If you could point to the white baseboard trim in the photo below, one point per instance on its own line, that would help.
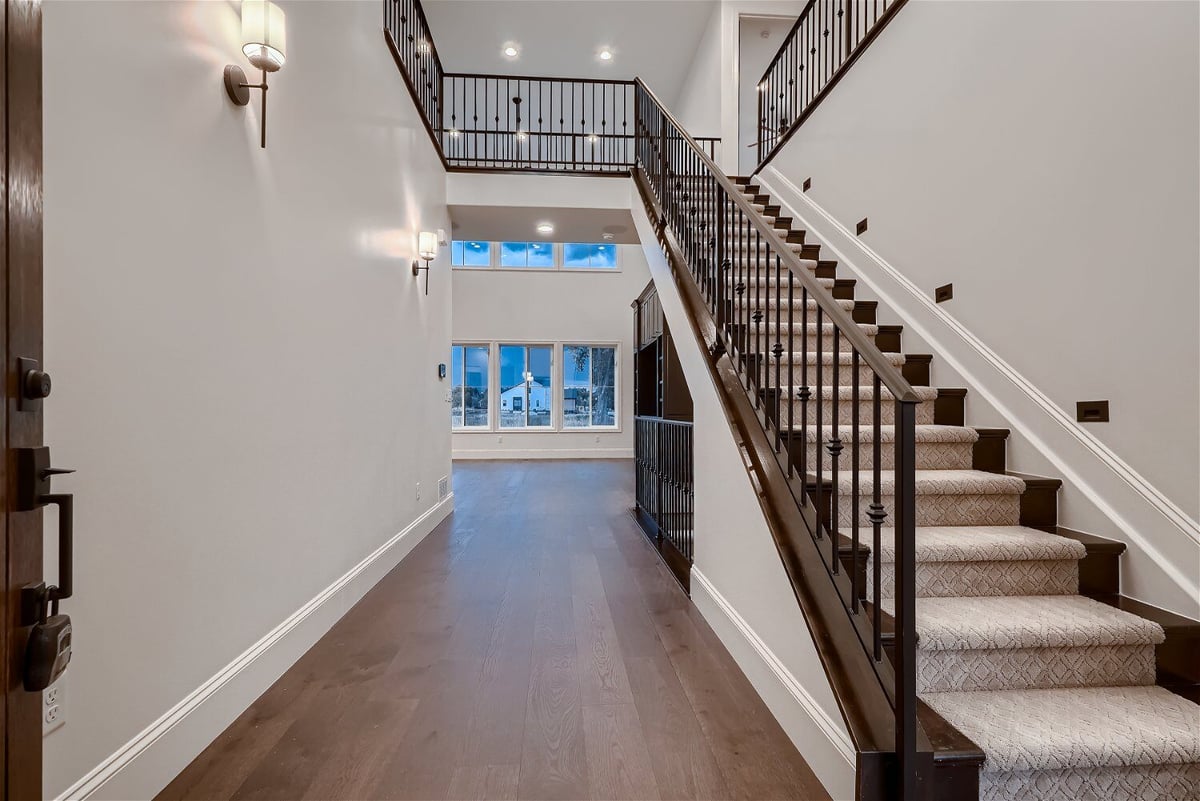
(147, 763)
(1015, 396)
(822, 740)
(545, 453)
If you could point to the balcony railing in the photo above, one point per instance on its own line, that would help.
(829, 35)
(479, 122)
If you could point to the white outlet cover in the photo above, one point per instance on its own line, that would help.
(54, 709)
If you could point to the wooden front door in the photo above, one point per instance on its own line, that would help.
(20, 337)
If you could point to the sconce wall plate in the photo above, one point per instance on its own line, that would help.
(235, 85)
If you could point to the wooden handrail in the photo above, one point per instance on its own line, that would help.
(861, 692)
(891, 377)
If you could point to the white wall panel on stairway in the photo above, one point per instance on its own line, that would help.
(742, 588)
(1056, 188)
(245, 368)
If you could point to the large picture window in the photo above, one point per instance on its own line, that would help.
(469, 386)
(589, 386)
(525, 392)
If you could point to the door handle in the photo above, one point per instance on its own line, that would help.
(33, 492)
(48, 650)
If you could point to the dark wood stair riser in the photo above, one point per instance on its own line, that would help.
(1039, 501)
(916, 368)
(864, 311)
(888, 339)
(990, 451)
(950, 407)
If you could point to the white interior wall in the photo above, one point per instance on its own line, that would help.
(1059, 192)
(555, 306)
(244, 366)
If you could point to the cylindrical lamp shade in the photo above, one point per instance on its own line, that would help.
(264, 34)
(427, 245)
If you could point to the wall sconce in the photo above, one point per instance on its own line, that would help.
(427, 245)
(265, 41)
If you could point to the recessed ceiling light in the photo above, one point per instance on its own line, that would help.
(511, 51)
(605, 54)
(608, 236)
(545, 228)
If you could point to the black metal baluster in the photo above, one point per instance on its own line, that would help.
(804, 391)
(820, 461)
(854, 468)
(778, 348)
(876, 515)
(835, 449)
(791, 385)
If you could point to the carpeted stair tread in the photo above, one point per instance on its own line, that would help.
(984, 544)
(937, 482)
(866, 392)
(887, 433)
(1084, 727)
(798, 303)
(845, 358)
(827, 329)
(765, 287)
(1033, 621)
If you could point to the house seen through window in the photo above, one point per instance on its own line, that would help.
(525, 394)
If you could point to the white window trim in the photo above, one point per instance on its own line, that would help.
(616, 346)
(555, 355)
(559, 259)
(557, 384)
(488, 425)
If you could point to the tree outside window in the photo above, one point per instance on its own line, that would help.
(469, 386)
(589, 386)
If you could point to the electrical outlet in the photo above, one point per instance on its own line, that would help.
(418, 490)
(54, 708)
(500, 439)
(443, 487)
(943, 293)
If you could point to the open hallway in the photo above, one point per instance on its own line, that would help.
(534, 647)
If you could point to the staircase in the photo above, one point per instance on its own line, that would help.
(1057, 689)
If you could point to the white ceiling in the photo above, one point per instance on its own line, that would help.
(651, 39)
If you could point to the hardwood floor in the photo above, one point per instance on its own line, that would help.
(532, 647)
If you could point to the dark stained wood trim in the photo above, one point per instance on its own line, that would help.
(990, 452)
(916, 368)
(1039, 501)
(1100, 569)
(949, 409)
(22, 245)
